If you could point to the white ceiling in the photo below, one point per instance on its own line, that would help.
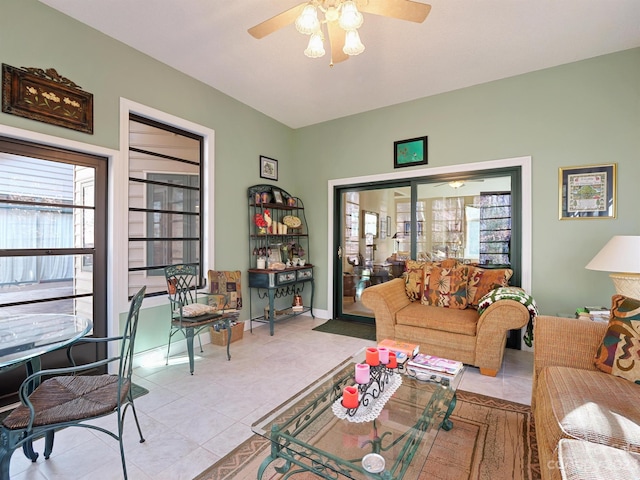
(461, 43)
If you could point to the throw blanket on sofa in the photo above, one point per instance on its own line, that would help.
(512, 293)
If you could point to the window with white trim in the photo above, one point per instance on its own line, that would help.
(165, 195)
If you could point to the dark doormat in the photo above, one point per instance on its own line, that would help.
(349, 329)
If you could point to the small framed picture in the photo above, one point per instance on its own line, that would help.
(277, 196)
(587, 192)
(407, 153)
(268, 168)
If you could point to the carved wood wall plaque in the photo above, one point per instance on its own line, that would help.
(46, 96)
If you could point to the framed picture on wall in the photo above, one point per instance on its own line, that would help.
(411, 152)
(587, 192)
(268, 168)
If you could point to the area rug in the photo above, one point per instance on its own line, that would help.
(349, 329)
(491, 439)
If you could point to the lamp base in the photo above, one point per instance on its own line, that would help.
(627, 284)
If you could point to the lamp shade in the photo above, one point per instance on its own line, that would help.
(620, 254)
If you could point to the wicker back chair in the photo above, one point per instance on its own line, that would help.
(68, 399)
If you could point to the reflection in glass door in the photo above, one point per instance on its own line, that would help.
(368, 246)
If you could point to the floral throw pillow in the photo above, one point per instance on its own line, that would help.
(482, 281)
(619, 352)
(447, 287)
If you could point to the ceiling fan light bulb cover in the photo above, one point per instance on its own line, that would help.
(308, 22)
(315, 48)
(352, 43)
(332, 13)
(350, 17)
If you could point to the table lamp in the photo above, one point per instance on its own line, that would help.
(621, 255)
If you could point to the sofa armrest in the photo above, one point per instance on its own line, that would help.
(493, 325)
(386, 299)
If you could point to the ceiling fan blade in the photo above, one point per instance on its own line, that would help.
(276, 23)
(401, 9)
(336, 42)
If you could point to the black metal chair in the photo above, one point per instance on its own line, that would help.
(68, 399)
(187, 315)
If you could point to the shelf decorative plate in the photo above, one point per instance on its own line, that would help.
(291, 221)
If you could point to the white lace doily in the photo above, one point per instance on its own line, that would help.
(371, 411)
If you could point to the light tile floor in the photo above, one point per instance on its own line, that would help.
(190, 422)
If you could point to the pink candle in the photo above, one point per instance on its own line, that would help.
(383, 352)
(350, 397)
(362, 373)
(393, 361)
(372, 356)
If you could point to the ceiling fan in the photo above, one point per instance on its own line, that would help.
(341, 21)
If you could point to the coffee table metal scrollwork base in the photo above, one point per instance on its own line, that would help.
(306, 435)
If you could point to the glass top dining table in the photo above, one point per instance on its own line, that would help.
(27, 337)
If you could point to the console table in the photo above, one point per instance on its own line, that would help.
(280, 283)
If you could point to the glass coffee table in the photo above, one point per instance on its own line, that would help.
(306, 434)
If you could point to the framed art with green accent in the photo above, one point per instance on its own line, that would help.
(411, 152)
(587, 192)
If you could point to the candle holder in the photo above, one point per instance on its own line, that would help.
(372, 396)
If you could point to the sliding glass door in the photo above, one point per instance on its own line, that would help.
(474, 218)
(366, 244)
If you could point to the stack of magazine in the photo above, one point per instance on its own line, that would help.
(431, 365)
(596, 314)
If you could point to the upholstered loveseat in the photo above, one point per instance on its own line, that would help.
(436, 305)
(586, 396)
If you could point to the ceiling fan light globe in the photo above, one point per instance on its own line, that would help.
(308, 22)
(350, 17)
(315, 48)
(352, 43)
(332, 14)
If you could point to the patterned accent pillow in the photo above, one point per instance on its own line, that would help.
(413, 278)
(619, 352)
(447, 263)
(447, 287)
(226, 283)
(482, 281)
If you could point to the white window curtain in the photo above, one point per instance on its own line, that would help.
(35, 228)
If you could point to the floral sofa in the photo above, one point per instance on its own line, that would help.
(438, 306)
(585, 394)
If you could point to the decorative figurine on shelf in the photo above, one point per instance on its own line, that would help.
(297, 303)
(268, 221)
(293, 249)
(261, 223)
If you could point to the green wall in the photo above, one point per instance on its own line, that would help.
(34, 35)
(582, 113)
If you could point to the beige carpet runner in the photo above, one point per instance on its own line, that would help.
(491, 439)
